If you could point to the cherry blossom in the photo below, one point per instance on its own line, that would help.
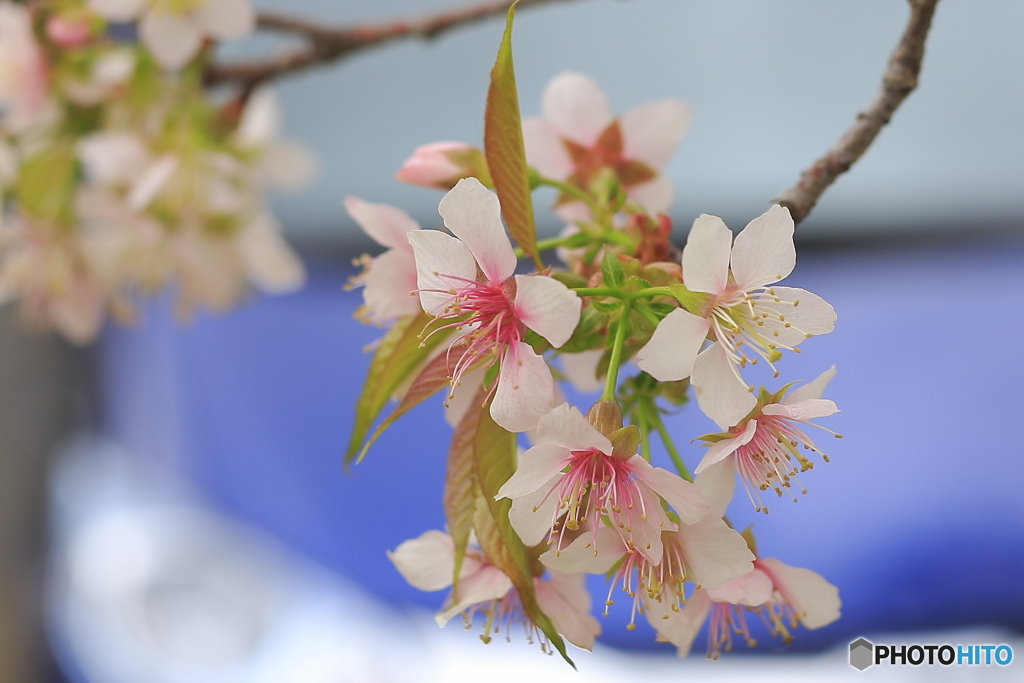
(468, 281)
(735, 306)
(428, 563)
(388, 280)
(174, 31)
(578, 139)
(23, 71)
(443, 164)
(575, 472)
(764, 449)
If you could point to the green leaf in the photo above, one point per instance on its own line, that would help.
(397, 355)
(495, 458)
(460, 484)
(46, 184)
(503, 147)
(611, 270)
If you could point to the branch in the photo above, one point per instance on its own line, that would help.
(899, 79)
(326, 44)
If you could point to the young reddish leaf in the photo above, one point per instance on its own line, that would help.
(397, 355)
(461, 490)
(494, 452)
(503, 146)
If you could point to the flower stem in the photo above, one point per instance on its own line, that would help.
(571, 190)
(597, 291)
(671, 448)
(616, 358)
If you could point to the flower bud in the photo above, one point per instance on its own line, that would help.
(68, 32)
(605, 416)
(443, 164)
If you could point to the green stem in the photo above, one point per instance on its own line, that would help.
(543, 245)
(597, 291)
(616, 359)
(672, 452)
(572, 190)
(645, 435)
(649, 292)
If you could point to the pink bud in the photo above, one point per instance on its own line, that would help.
(67, 32)
(442, 164)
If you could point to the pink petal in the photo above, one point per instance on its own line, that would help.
(270, 263)
(536, 469)
(580, 369)
(443, 267)
(752, 589)
(426, 562)
(389, 287)
(473, 214)
(713, 552)
(685, 498)
(814, 600)
(261, 119)
(681, 628)
(654, 195)
(576, 107)
(172, 38)
(717, 483)
(813, 389)
(652, 132)
(706, 255)
(544, 150)
(430, 164)
(720, 395)
(387, 225)
(587, 555)
(671, 351)
(764, 251)
(723, 449)
(226, 18)
(566, 601)
(547, 307)
(462, 394)
(531, 514)
(565, 426)
(802, 410)
(490, 583)
(525, 389)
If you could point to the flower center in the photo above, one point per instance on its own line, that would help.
(640, 579)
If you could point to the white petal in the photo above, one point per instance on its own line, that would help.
(525, 389)
(389, 287)
(532, 515)
(117, 10)
(752, 589)
(287, 166)
(813, 389)
(565, 426)
(226, 18)
(443, 264)
(685, 498)
(587, 555)
(490, 583)
(473, 214)
(706, 255)
(566, 601)
(814, 600)
(547, 307)
(764, 251)
(576, 107)
(654, 195)
(172, 38)
(681, 629)
(112, 157)
(580, 369)
(671, 351)
(426, 562)
(720, 395)
(152, 181)
(387, 225)
(652, 132)
(544, 150)
(536, 469)
(813, 315)
(717, 483)
(723, 449)
(270, 263)
(713, 552)
(462, 394)
(810, 409)
(261, 119)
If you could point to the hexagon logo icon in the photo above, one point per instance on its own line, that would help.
(861, 654)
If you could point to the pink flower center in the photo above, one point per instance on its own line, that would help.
(645, 582)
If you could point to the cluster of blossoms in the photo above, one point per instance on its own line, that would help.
(121, 176)
(584, 497)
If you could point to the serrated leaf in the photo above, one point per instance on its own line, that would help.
(432, 378)
(495, 458)
(504, 149)
(397, 355)
(611, 270)
(461, 490)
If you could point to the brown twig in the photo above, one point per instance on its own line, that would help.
(899, 79)
(326, 44)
